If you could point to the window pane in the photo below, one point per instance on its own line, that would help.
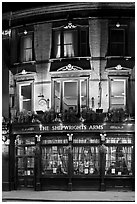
(84, 94)
(26, 48)
(70, 43)
(117, 42)
(117, 49)
(25, 98)
(70, 89)
(54, 160)
(83, 36)
(117, 88)
(119, 159)
(70, 99)
(57, 101)
(26, 92)
(27, 42)
(118, 93)
(57, 44)
(27, 105)
(83, 50)
(86, 160)
(117, 35)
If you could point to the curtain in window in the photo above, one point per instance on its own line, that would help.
(26, 48)
(85, 160)
(57, 44)
(68, 44)
(118, 160)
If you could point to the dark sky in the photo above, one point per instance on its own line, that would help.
(15, 6)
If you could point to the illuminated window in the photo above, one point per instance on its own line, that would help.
(70, 43)
(70, 94)
(26, 53)
(119, 155)
(117, 92)
(25, 97)
(54, 160)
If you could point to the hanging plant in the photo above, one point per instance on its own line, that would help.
(70, 116)
(117, 115)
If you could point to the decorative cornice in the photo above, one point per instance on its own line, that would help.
(25, 76)
(69, 67)
(66, 6)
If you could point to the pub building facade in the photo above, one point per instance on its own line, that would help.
(71, 93)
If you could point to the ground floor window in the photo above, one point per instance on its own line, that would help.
(54, 160)
(86, 160)
(119, 156)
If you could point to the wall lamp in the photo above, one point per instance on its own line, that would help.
(117, 24)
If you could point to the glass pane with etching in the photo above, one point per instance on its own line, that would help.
(54, 160)
(86, 160)
(119, 159)
(54, 140)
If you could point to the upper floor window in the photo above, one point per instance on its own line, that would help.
(117, 41)
(71, 42)
(118, 92)
(26, 48)
(70, 94)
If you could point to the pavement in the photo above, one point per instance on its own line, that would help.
(68, 196)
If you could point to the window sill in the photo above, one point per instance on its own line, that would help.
(23, 63)
(118, 57)
(68, 58)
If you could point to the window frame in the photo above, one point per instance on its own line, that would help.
(125, 79)
(74, 79)
(121, 28)
(78, 45)
(19, 85)
(22, 56)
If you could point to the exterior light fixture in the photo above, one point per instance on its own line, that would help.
(117, 24)
(25, 32)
